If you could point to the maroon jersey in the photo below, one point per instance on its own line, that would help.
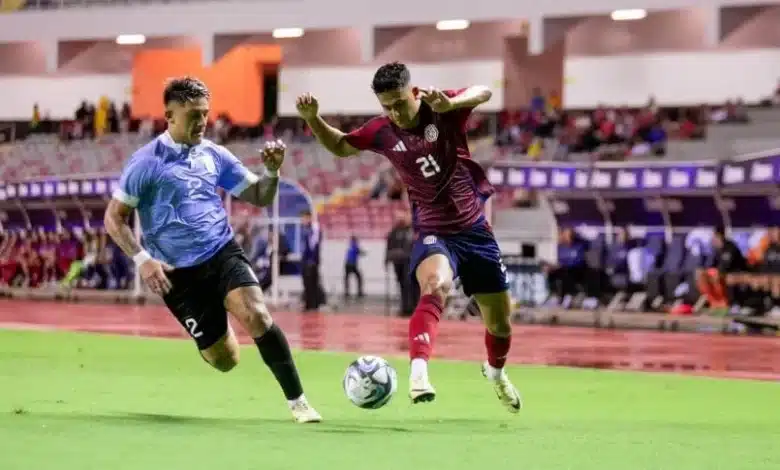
(446, 187)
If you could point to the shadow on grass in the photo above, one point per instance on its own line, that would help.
(337, 426)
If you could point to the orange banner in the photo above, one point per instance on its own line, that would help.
(235, 79)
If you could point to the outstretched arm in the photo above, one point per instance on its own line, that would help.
(471, 97)
(331, 138)
(444, 101)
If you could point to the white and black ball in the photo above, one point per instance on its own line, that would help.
(370, 382)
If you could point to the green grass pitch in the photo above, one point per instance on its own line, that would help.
(84, 402)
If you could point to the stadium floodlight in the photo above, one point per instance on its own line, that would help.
(286, 33)
(452, 25)
(130, 39)
(628, 15)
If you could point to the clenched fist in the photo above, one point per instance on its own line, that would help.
(307, 106)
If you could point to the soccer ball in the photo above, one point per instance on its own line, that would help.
(370, 382)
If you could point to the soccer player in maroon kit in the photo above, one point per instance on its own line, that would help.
(422, 133)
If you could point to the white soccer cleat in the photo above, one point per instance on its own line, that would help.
(505, 390)
(421, 390)
(303, 412)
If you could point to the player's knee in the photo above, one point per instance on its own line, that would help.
(500, 327)
(258, 320)
(225, 363)
(224, 360)
(436, 284)
(223, 355)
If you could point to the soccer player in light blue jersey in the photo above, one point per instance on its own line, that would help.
(189, 256)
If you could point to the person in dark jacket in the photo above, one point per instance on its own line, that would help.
(727, 259)
(398, 253)
(313, 293)
(566, 278)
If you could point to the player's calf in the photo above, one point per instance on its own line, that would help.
(246, 304)
(496, 310)
(434, 276)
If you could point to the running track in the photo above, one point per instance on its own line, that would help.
(703, 354)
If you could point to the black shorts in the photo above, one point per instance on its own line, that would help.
(197, 298)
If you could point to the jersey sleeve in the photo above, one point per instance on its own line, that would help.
(234, 177)
(134, 181)
(365, 137)
(461, 114)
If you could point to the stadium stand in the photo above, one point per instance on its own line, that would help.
(542, 149)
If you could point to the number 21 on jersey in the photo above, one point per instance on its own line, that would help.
(428, 166)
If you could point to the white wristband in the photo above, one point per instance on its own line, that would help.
(272, 174)
(141, 257)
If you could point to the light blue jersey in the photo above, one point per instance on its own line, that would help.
(174, 188)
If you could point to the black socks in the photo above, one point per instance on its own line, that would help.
(276, 353)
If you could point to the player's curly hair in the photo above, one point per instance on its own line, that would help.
(392, 76)
(184, 89)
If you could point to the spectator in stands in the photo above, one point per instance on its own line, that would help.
(68, 251)
(101, 117)
(731, 112)
(48, 251)
(351, 266)
(538, 102)
(112, 118)
(692, 125)
(398, 253)
(656, 137)
(9, 264)
(770, 270)
(99, 274)
(568, 277)
(553, 102)
(91, 126)
(125, 116)
(617, 262)
(30, 262)
(36, 118)
(639, 263)
(88, 244)
(727, 259)
(119, 267)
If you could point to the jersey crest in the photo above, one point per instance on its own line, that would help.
(431, 133)
(203, 161)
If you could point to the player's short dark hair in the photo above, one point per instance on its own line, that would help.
(184, 89)
(392, 76)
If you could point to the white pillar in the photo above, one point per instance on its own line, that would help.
(367, 43)
(51, 49)
(535, 35)
(712, 27)
(207, 48)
